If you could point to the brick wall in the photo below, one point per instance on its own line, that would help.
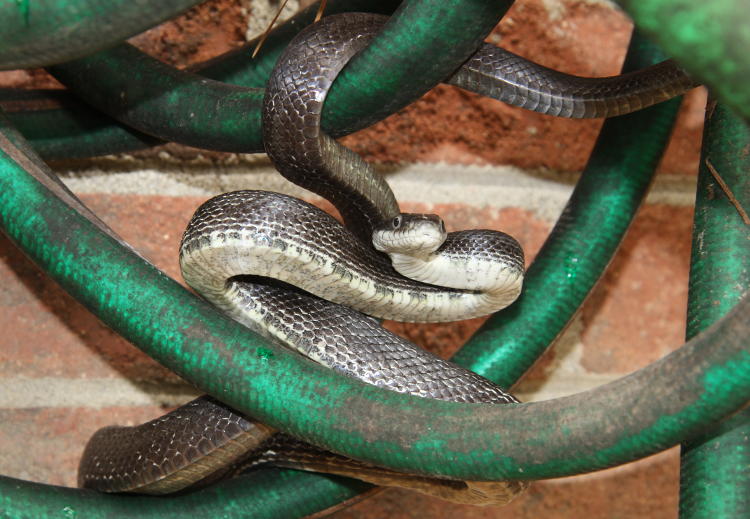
(475, 161)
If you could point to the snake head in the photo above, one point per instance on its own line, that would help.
(410, 234)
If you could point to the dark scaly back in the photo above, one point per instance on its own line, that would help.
(294, 142)
(502, 75)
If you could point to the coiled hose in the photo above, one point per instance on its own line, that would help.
(710, 39)
(715, 468)
(59, 125)
(59, 258)
(654, 406)
(42, 32)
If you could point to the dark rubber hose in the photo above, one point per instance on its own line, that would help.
(159, 100)
(270, 494)
(37, 33)
(715, 468)
(193, 330)
(60, 126)
(709, 39)
(583, 241)
(668, 402)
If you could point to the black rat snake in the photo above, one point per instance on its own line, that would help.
(237, 241)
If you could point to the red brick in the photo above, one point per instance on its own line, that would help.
(637, 312)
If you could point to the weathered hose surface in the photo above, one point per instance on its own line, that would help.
(42, 252)
(494, 72)
(667, 402)
(37, 33)
(61, 126)
(171, 105)
(715, 468)
(709, 39)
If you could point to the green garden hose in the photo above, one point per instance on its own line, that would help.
(36, 33)
(710, 39)
(671, 400)
(270, 494)
(715, 468)
(61, 126)
(545, 439)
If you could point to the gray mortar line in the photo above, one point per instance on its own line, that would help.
(543, 193)
(23, 393)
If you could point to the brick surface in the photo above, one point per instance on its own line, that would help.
(637, 312)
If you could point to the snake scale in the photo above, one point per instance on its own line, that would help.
(286, 269)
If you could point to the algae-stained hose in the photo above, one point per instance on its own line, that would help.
(404, 61)
(710, 39)
(60, 126)
(665, 403)
(583, 240)
(715, 468)
(714, 472)
(392, 70)
(36, 33)
(270, 494)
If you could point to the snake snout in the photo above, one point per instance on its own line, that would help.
(411, 234)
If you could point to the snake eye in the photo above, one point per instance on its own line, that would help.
(396, 222)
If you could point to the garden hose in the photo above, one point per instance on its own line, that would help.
(715, 468)
(36, 33)
(271, 493)
(527, 442)
(710, 39)
(583, 241)
(655, 407)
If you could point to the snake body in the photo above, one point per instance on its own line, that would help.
(236, 241)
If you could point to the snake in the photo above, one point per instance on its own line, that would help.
(295, 275)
